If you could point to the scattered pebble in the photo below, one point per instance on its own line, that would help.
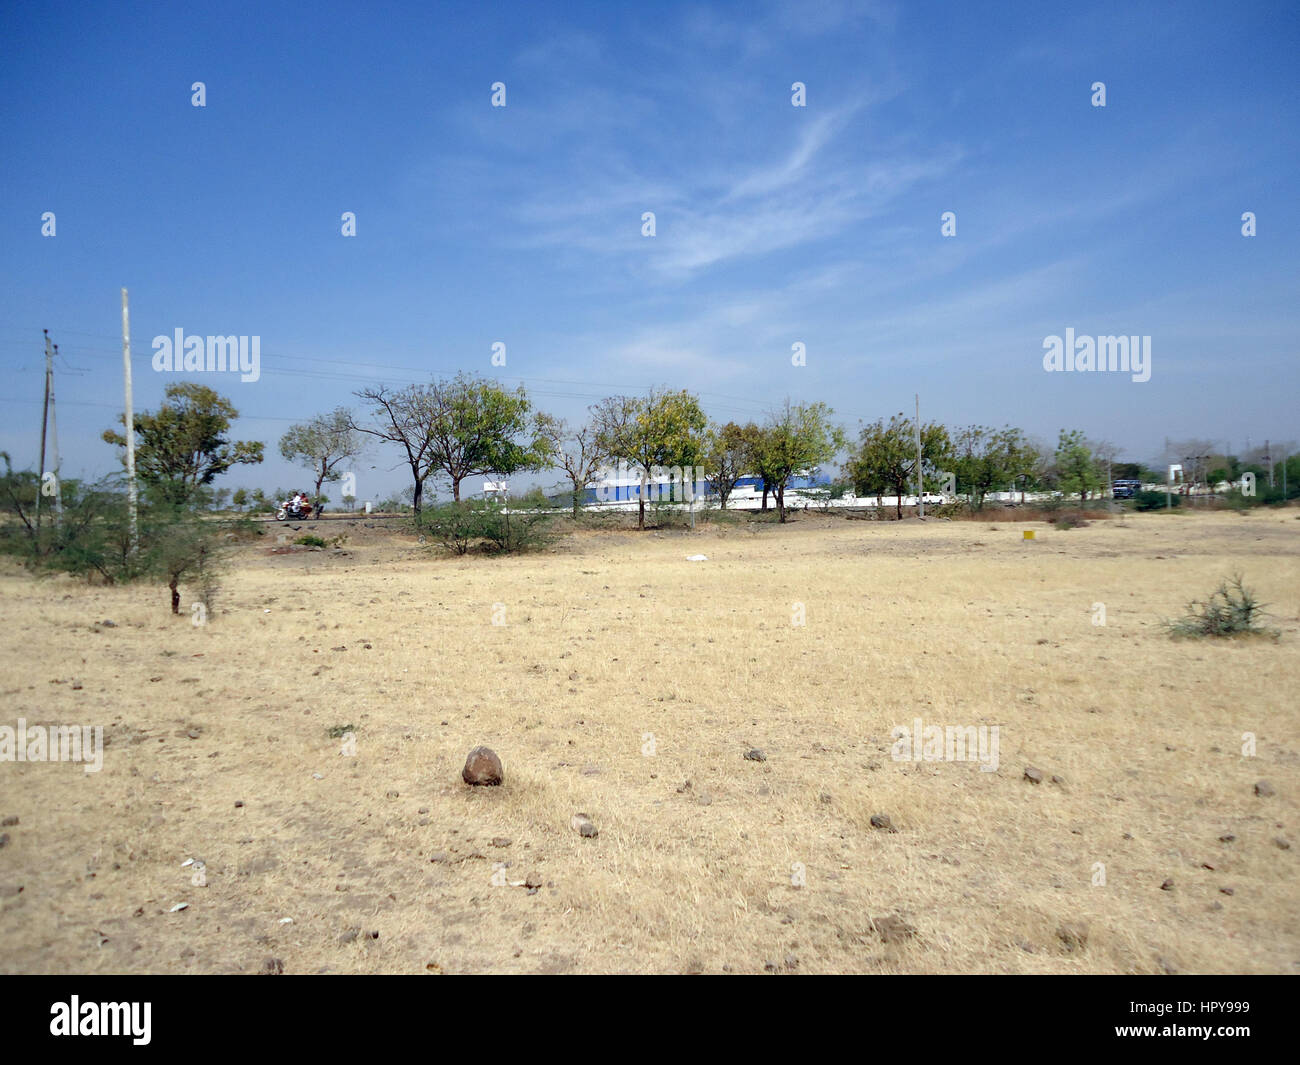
(582, 825)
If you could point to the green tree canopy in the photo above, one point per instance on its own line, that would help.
(885, 458)
(795, 440)
(183, 446)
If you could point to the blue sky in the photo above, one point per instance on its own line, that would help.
(775, 224)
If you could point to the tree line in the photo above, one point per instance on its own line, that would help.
(467, 426)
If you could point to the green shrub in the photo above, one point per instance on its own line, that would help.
(458, 527)
(310, 541)
(1231, 610)
(1155, 500)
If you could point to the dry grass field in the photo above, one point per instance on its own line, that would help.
(220, 749)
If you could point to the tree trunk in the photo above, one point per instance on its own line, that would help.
(780, 502)
(176, 595)
(641, 509)
(764, 497)
(455, 489)
(417, 494)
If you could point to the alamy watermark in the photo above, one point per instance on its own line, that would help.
(53, 743)
(946, 743)
(661, 484)
(1080, 354)
(214, 354)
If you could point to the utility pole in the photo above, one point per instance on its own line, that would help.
(130, 427)
(54, 447)
(45, 417)
(920, 501)
(1268, 457)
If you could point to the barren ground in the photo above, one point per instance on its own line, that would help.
(611, 636)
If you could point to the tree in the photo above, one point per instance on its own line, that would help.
(796, 439)
(987, 458)
(728, 456)
(885, 458)
(478, 427)
(321, 445)
(240, 499)
(183, 447)
(1076, 468)
(404, 417)
(665, 430)
(576, 451)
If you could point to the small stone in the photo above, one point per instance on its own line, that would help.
(1058, 780)
(482, 768)
(1226, 891)
(755, 755)
(582, 825)
(533, 881)
(272, 967)
(500, 841)
(1227, 839)
(392, 794)
(1034, 776)
(1278, 841)
(9, 821)
(791, 962)
(1168, 885)
(1263, 789)
(882, 821)
(422, 810)
(109, 624)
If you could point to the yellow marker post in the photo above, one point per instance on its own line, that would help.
(1029, 534)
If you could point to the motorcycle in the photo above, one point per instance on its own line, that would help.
(290, 511)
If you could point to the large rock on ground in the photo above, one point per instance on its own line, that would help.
(482, 767)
